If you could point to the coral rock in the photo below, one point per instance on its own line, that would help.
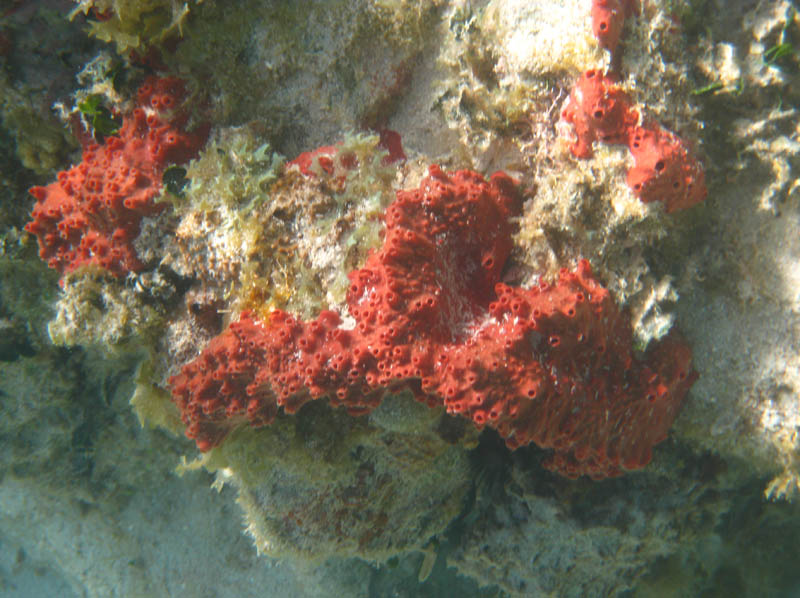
(664, 170)
(551, 365)
(92, 213)
(599, 111)
(608, 18)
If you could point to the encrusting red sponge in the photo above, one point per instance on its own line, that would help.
(321, 159)
(552, 365)
(600, 111)
(664, 170)
(608, 18)
(92, 213)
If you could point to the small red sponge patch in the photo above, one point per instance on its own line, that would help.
(92, 213)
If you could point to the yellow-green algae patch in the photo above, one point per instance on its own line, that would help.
(42, 142)
(152, 404)
(265, 236)
(133, 24)
(94, 308)
(322, 483)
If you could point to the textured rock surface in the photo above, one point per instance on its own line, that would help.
(89, 499)
(743, 310)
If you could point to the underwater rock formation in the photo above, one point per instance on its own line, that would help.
(551, 365)
(400, 494)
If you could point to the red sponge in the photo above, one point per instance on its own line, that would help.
(551, 365)
(664, 170)
(92, 213)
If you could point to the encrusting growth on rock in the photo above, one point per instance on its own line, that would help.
(552, 365)
(321, 159)
(608, 19)
(664, 170)
(600, 111)
(92, 213)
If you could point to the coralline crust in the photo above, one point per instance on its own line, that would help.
(551, 365)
